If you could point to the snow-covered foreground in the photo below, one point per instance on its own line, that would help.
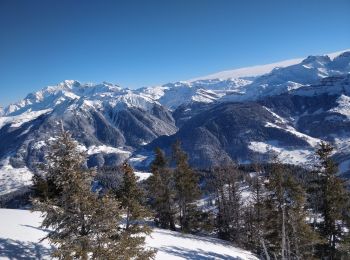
(20, 239)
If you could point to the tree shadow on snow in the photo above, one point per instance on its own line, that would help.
(195, 254)
(19, 250)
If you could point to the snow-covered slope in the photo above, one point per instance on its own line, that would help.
(20, 235)
(175, 94)
(12, 179)
(109, 122)
(310, 71)
(94, 95)
(251, 83)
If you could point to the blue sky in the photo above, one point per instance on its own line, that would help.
(142, 43)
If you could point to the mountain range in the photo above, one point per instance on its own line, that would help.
(238, 115)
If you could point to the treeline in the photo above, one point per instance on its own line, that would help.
(274, 210)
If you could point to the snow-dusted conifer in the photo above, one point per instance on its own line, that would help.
(332, 203)
(132, 197)
(228, 200)
(161, 191)
(187, 189)
(286, 229)
(83, 223)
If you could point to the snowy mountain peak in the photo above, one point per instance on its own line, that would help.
(69, 83)
(258, 70)
(69, 90)
(344, 55)
(239, 84)
(316, 61)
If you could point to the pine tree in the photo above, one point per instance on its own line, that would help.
(228, 200)
(83, 223)
(44, 180)
(187, 190)
(286, 230)
(333, 201)
(255, 213)
(161, 189)
(131, 197)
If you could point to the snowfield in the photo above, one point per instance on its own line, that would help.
(20, 239)
(17, 121)
(12, 179)
(304, 157)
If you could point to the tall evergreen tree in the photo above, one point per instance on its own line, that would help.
(83, 224)
(229, 205)
(187, 189)
(286, 230)
(131, 197)
(161, 189)
(332, 203)
(255, 213)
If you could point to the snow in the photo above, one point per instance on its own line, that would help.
(17, 121)
(20, 239)
(343, 106)
(303, 157)
(175, 94)
(174, 245)
(141, 160)
(254, 71)
(76, 94)
(20, 235)
(106, 149)
(71, 95)
(142, 175)
(240, 84)
(333, 55)
(12, 179)
(39, 144)
(311, 140)
(251, 71)
(278, 118)
(342, 143)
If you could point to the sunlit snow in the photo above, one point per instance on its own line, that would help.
(20, 239)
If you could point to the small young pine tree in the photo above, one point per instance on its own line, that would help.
(161, 191)
(187, 190)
